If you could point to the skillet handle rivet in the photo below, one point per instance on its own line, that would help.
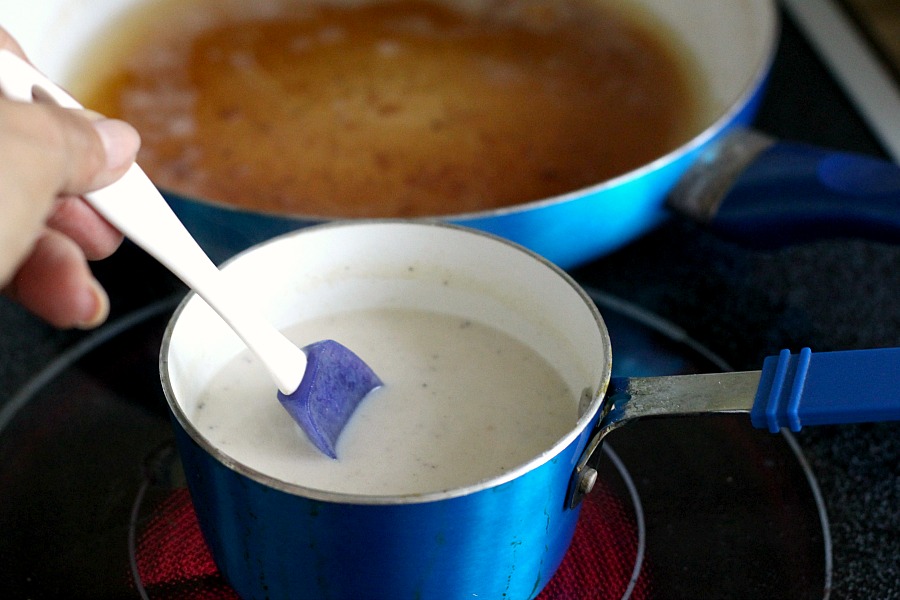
(586, 480)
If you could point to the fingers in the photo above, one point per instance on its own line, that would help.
(58, 151)
(78, 221)
(89, 151)
(46, 152)
(50, 156)
(119, 142)
(56, 284)
(71, 215)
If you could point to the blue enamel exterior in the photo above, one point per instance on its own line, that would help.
(501, 542)
(569, 230)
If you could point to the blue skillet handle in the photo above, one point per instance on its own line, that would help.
(799, 193)
(828, 388)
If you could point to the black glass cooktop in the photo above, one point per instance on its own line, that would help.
(719, 509)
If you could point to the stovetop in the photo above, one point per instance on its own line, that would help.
(742, 304)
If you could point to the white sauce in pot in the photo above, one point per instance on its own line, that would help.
(463, 402)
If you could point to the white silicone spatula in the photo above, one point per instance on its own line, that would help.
(320, 385)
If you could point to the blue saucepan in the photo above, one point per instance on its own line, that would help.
(499, 537)
(733, 45)
(808, 191)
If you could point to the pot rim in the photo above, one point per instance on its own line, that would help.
(588, 415)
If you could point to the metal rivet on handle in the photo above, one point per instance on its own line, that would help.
(586, 480)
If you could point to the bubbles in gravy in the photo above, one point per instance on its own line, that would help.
(396, 108)
(463, 402)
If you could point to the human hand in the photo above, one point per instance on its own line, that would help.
(49, 156)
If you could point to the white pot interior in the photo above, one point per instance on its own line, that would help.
(333, 269)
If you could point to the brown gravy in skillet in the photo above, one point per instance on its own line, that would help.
(396, 108)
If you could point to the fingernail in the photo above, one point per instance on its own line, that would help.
(94, 306)
(120, 140)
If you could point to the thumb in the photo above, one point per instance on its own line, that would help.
(57, 151)
(120, 143)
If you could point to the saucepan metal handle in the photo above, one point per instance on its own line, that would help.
(791, 390)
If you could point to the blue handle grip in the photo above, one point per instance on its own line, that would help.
(827, 388)
(798, 193)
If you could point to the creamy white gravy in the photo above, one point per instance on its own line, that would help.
(463, 402)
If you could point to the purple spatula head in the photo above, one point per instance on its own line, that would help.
(335, 382)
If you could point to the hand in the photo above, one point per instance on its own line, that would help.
(48, 157)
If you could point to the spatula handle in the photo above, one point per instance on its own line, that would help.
(135, 207)
(827, 388)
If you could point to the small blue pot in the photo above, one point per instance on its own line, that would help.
(497, 538)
